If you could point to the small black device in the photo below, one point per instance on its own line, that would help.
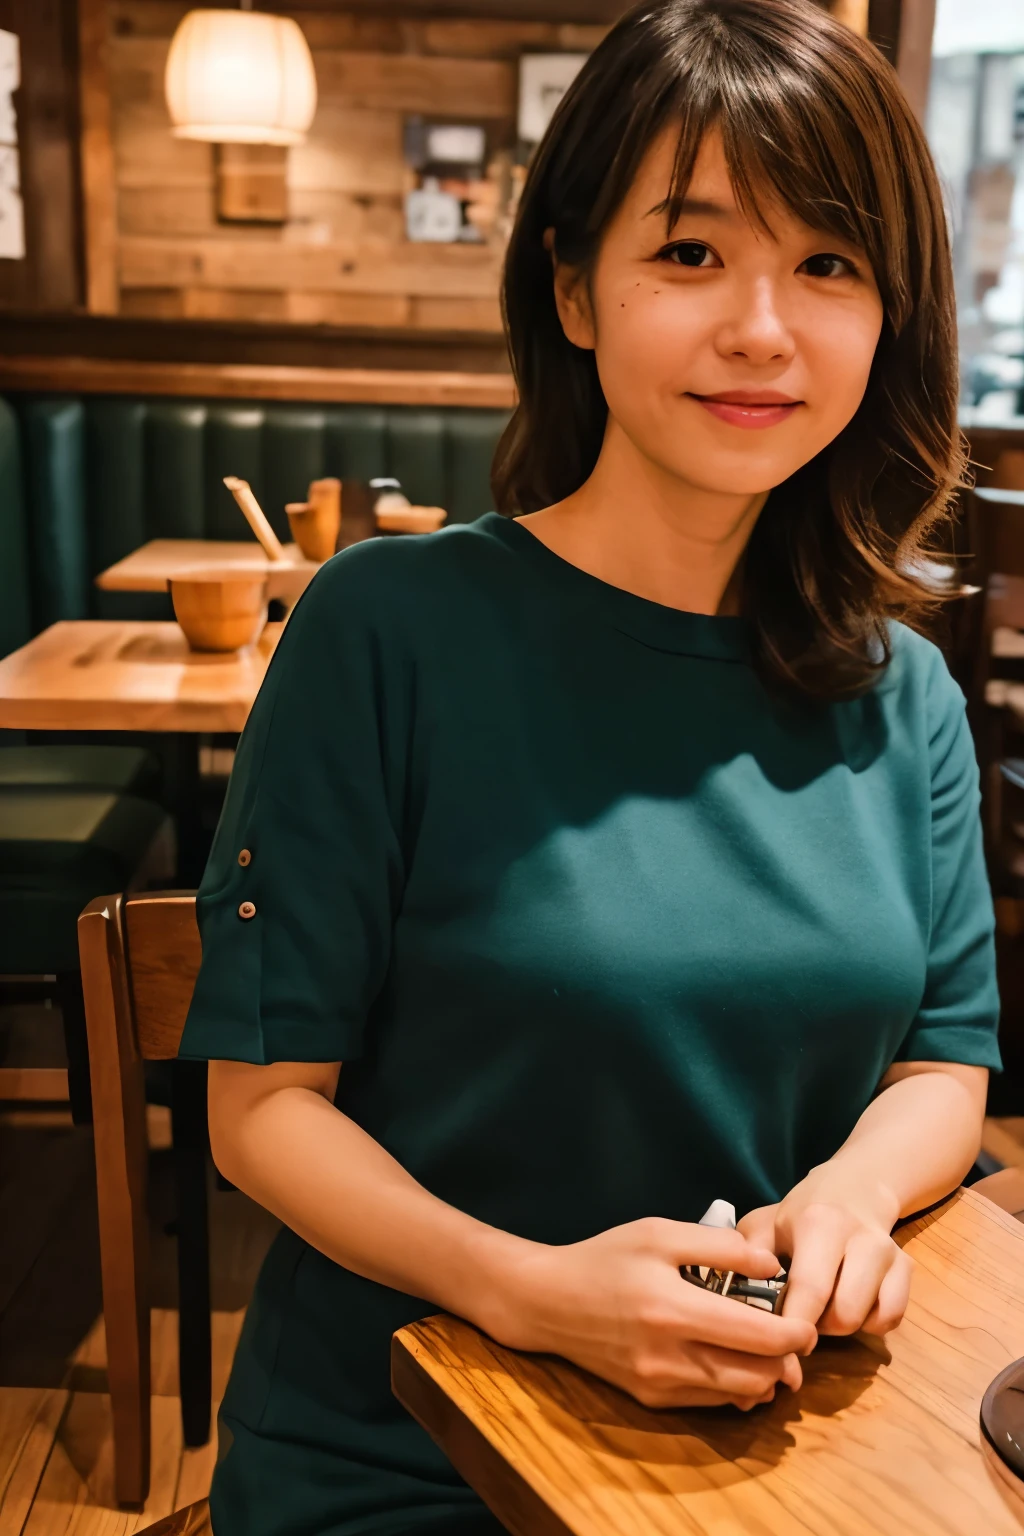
(766, 1295)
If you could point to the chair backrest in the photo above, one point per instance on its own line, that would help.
(193, 1521)
(140, 958)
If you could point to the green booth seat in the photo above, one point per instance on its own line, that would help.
(84, 480)
(127, 770)
(60, 848)
(76, 820)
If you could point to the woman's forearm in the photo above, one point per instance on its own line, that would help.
(338, 1188)
(915, 1141)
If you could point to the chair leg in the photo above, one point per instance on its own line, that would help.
(190, 1137)
(72, 1008)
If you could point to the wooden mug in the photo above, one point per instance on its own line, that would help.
(219, 610)
(315, 523)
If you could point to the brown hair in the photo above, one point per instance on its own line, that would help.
(811, 115)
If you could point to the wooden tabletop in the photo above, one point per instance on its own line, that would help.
(882, 1438)
(147, 568)
(108, 675)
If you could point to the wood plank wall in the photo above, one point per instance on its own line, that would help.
(342, 258)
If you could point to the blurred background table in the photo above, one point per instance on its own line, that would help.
(131, 675)
(148, 568)
(883, 1437)
(102, 675)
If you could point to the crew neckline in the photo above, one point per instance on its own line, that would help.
(724, 637)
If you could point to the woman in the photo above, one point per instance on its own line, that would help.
(624, 851)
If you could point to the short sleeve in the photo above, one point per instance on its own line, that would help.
(297, 905)
(959, 1013)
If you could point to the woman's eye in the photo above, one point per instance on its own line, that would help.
(827, 264)
(690, 253)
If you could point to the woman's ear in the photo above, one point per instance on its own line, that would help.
(572, 298)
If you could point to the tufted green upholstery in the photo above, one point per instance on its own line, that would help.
(75, 821)
(132, 770)
(84, 480)
(58, 850)
(106, 474)
(15, 613)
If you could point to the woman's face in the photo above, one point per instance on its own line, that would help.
(729, 355)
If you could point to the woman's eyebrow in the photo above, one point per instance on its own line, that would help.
(698, 208)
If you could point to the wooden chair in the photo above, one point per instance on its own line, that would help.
(140, 956)
(193, 1520)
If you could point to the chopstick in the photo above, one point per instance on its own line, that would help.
(255, 517)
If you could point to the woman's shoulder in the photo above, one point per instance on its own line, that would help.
(382, 578)
(919, 684)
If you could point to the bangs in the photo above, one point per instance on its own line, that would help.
(761, 87)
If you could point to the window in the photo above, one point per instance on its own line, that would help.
(975, 125)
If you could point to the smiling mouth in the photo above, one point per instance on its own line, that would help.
(748, 408)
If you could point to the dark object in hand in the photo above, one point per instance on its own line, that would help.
(767, 1295)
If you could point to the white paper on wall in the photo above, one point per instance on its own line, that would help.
(544, 79)
(10, 79)
(12, 212)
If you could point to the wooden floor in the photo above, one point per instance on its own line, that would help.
(55, 1441)
(56, 1468)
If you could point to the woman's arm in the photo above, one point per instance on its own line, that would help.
(615, 1303)
(912, 1145)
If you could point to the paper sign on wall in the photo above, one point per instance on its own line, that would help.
(12, 212)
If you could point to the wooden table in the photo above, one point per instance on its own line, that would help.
(147, 568)
(115, 675)
(883, 1437)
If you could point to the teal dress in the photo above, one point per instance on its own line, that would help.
(599, 929)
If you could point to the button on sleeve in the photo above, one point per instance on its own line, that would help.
(297, 940)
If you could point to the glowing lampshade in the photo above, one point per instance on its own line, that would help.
(240, 77)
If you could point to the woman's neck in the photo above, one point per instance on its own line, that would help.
(637, 526)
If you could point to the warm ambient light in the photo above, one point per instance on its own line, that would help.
(240, 77)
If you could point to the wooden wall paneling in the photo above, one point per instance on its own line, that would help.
(341, 257)
(98, 180)
(852, 13)
(50, 276)
(914, 51)
(474, 88)
(582, 12)
(228, 381)
(318, 346)
(450, 271)
(884, 26)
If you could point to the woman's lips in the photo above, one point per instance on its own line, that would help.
(750, 413)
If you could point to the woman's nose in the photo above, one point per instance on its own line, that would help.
(756, 329)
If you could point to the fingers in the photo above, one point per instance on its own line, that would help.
(866, 1264)
(758, 1227)
(726, 1370)
(819, 1241)
(730, 1325)
(893, 1295)
(706, 1374)
(719, 1248)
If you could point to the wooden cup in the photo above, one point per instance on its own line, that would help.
(327, 494)
(314, 528)
(219, 610)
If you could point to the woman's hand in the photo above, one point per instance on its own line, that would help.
(617, 1305)
(845, 1271)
